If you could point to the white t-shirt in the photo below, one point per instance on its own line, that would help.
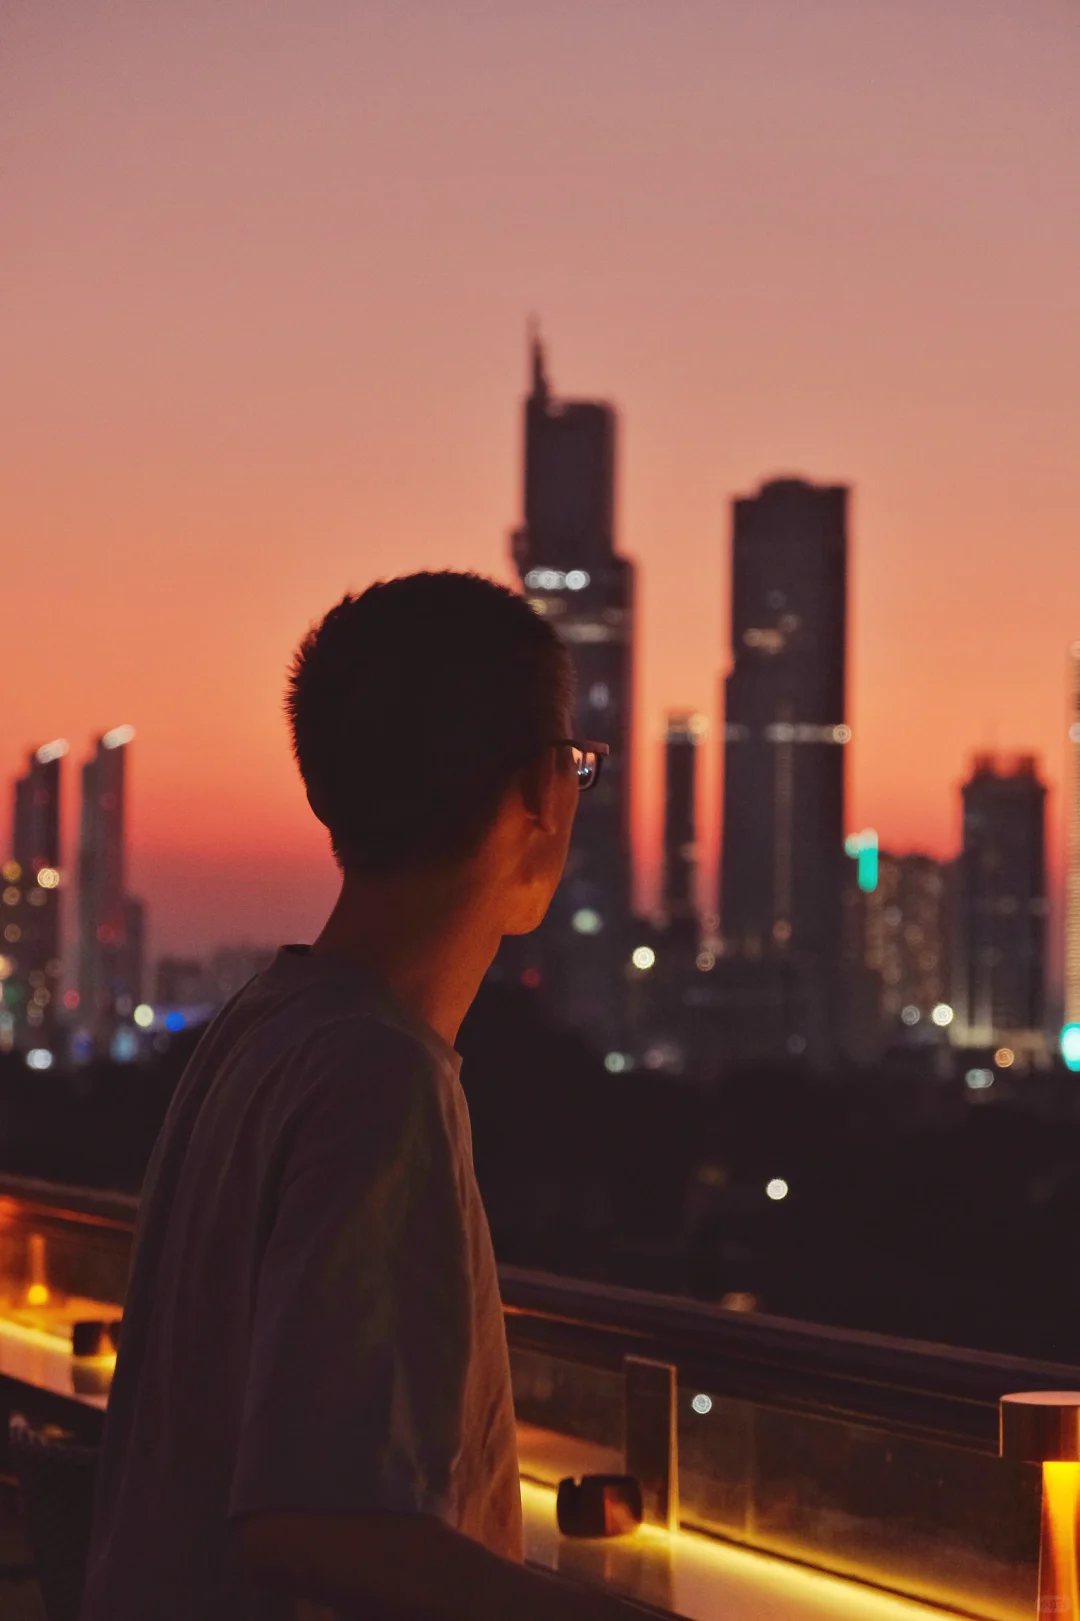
(313, 1319)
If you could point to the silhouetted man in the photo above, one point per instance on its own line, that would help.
(313, 1393)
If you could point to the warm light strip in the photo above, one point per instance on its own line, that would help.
(45, 1341)
(1059, 1591)
(777, 1581)
(34, 1336)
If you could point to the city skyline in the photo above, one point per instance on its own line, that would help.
(249, 368)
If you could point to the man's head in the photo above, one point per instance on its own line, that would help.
(423, 713)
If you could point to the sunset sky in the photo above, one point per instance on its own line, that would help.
(265, 271)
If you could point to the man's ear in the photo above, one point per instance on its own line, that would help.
(317, 802)
(538, 785)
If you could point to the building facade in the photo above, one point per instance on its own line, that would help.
(30, 940)
(906, 942)
(110, 921)
(785, 737)
(678, 898)
(1002, 908)
(565, 557)
(1072, 844)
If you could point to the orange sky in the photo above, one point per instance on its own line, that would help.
(264, 276)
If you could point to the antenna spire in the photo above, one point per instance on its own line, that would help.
(536, 355)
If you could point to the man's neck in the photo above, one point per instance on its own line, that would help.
(430, 938)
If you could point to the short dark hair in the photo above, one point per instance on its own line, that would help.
(413, 705)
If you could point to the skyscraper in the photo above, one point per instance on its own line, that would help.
(109, 965)
(30, 903)
(907, 941)
(1002, 906)
(678, 899)
(782, 859)
(565, 556)
(1072, 879)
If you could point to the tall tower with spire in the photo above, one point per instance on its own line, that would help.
(564, 553)
(1072, 878)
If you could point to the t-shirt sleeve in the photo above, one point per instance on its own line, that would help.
(361, 1332)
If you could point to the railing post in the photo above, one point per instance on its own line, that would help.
(651, 1431)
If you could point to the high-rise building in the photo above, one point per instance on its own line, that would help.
(1002, 906)
(30, 905)
(565, 556)
(110, 922)
(1072, 878)
(782, 859)
(678, 900)
(907, 941)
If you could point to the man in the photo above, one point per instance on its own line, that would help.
(311, 1412)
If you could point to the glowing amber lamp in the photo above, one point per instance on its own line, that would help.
(1043, 1426)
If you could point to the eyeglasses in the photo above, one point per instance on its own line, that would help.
(588, 758)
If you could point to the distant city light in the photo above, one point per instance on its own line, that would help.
(39, 1058)
(118, 737)
(910, 1014)
(553, 579)
(643, 957)
(702, 1403)
(71, 999)
(48, 878)
(1004, 1057)
(125, 1046)
(1070, 1046)
(12, 872)
(586, 921)
(943, 1015)
(706, 960)
(52, 751)
(852, 845)
(776, 1189)
(796, 1045)
(7, 967)
(978, 1080)
(175, 1020)
(618, 1063)
(863, 848)
(698, 726)
(599, 695)
(1074, 732)
(143, 1015)
(37, 897)
(531, 978)
(841, 734)
(11, 896)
